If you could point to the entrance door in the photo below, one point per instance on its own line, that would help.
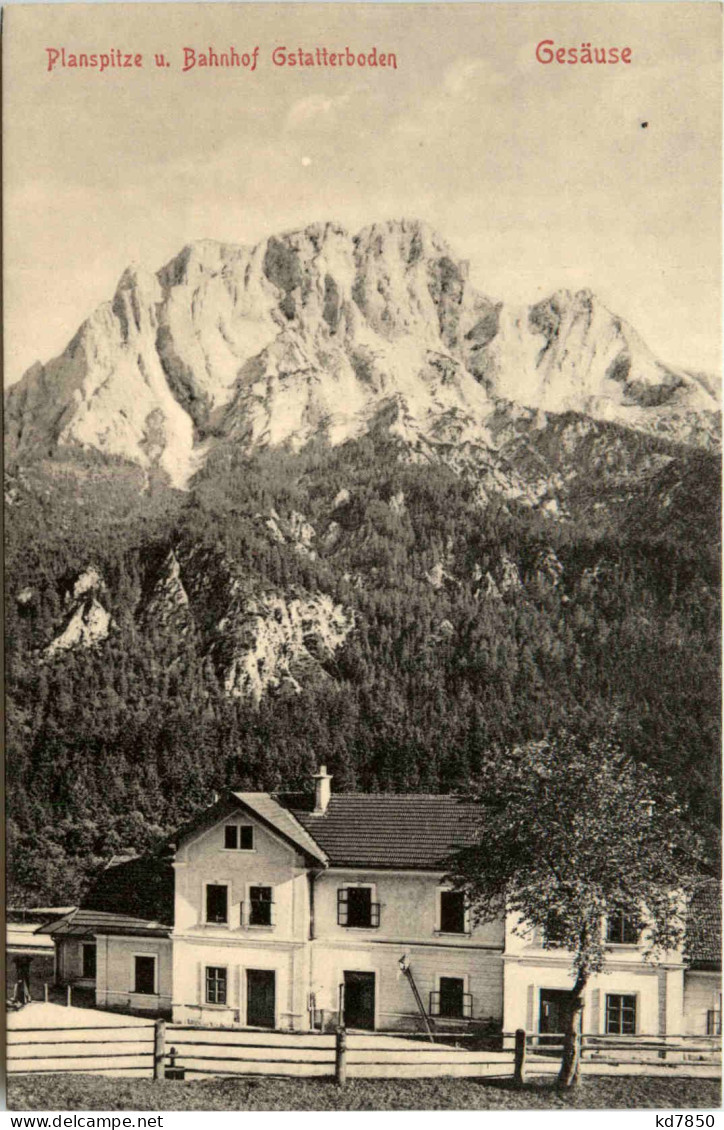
(452, 996)
(260, 998)
(552, 1013)
(359, 1000)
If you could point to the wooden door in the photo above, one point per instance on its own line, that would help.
(359, 1000)
(260, 998)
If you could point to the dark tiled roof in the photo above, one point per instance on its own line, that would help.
(395, 831)
(85, 923)
(703, 931)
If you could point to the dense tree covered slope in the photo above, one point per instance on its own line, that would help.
(365, 606)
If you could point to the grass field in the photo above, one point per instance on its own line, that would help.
(89, 1093)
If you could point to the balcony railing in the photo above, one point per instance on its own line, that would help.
(257, 912)
(363, 917)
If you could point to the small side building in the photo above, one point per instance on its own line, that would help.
(702, 975)
(117, 946)
(30, 956)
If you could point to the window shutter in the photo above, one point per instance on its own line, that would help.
(595, 1026)
(662, 976)
(342, 906)
(529, 1009)
(200, 978)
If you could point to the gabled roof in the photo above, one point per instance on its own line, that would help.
(268, 811)
(703, 927)
(390, 831)
(283, 821)
(86, 923)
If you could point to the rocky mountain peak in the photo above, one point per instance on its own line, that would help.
(317, 332)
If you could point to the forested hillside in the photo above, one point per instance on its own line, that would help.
(360, 606)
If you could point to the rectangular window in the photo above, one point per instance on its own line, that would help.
(89, 960)
(451, 1000)
(215, 984)
(620, 1014)
(622, 930)
(554, 932)
(260, 906)
(144, 980)
(452, 912)
(713, 1022)
(356, 908)
(217, 903)
(239, 837)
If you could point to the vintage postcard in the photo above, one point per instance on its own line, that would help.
(362, 556)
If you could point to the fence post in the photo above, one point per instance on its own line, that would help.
(159, 1048)
(519, 1063)
(45, 992)
(340, 1061)
(67, 996)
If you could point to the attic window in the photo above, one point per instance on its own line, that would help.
(239, 837)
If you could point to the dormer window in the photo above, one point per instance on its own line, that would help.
(239, 837)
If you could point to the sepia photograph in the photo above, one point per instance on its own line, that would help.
(362, 593)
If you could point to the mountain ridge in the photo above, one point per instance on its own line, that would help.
(317, 331)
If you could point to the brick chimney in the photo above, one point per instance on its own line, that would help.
(322, 790)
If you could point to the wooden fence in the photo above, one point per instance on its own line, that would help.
(114, 1050)
(204, 1051)
(148, 1049)
(654, 1056)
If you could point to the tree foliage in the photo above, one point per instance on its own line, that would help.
(574, 833)
(110, 748)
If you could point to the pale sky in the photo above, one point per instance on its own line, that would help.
(541, 176)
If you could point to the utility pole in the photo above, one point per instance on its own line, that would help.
(405, 967)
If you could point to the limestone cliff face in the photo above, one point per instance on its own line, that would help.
(321, 333)
(87, 621)
(258, 641)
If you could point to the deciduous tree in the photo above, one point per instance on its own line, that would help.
(571, 834)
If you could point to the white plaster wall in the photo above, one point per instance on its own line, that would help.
(408, 909)
(520, 976)
(395, 1005)
(702, 991)
(272, 863)
(191, 957)
(70, 960)
(115, 981)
